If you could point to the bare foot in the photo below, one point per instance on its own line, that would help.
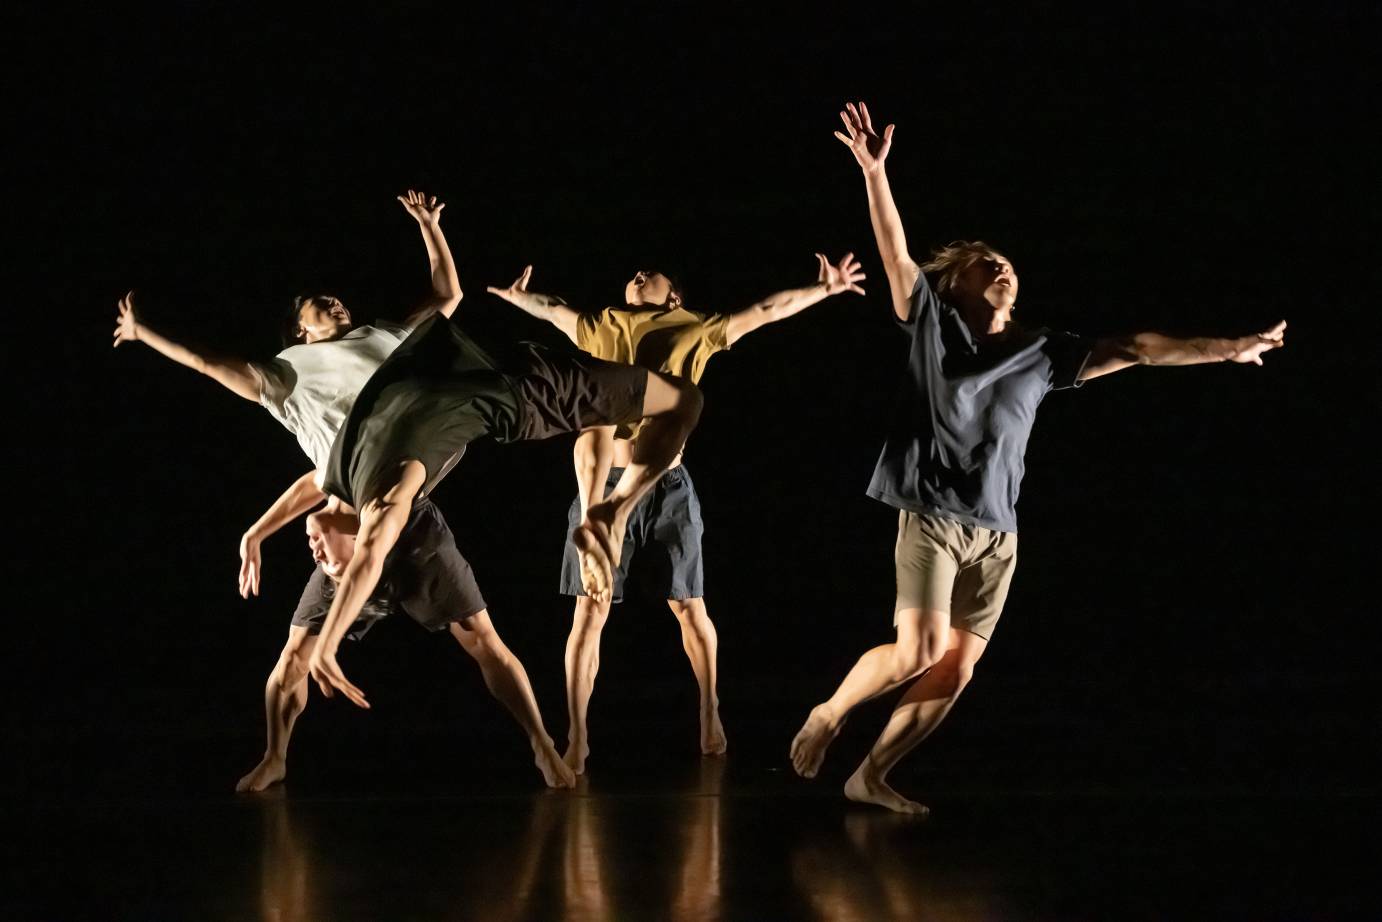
(554, 771)
(597, 570)
(267, 773)
(576, 754)
(865, 789)
(814, 737)
(713, 742)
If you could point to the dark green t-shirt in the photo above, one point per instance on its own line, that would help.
(437, 392)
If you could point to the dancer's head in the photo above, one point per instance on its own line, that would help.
(978, 279)
(652, 289)
(331, 538)
(315, 319)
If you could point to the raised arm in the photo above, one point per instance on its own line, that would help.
(544, 307)
(297, 500)
(830, 281)
(871, 151)
(233, 373)
(381, 522)
(1116, 353)
(446, 285)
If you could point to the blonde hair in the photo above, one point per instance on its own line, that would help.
(947, 262)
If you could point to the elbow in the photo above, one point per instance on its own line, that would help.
(1139, 349)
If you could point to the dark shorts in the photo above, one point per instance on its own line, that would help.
(666, 524)
(424, 575)
(561, 393)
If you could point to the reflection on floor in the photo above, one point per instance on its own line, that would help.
(704, 843)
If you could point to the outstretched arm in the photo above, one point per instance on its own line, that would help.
(1116, 353)
(871, 150)
(382, 520)
(544, 307)
(233, 373)
(298, 499)
(446, 285)
(831, 281)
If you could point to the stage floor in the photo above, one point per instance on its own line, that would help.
(670, 837)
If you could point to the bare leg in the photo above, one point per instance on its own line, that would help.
(671, 408)
(920, 711)
(582, 663)
(701, 643)
(285, 697)
(507, 680)
(922, 637)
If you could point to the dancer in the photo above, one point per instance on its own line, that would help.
(440, 391)
(310, 387)
(427, 578)
(952, 464)
(656, 331)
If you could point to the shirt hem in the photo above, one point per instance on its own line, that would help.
(911, 505)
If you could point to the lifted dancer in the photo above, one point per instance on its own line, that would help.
(656, 331)
(952, 464)
(440, 391)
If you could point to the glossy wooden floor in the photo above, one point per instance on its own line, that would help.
(658, 836)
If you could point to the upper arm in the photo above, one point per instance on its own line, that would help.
(903, 276)
(741, 323)
(1107, 355)
(444, 306)
(237, 375)
(567, 320)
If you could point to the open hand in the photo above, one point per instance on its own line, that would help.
(844, 277)
(250, 565)
(519, 287)
(1250, 348)
(126, 323)
(331, 679)
(426, 210)
(869, 149)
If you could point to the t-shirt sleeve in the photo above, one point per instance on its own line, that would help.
(597, 333)
(924, 303)
(1068, 354)
(715, 332)
(276, 380)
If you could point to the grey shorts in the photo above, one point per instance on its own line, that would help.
(424, 575)
(944, 565)
(665, 526)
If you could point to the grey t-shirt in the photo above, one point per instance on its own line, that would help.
(959, 432)
(311, 387)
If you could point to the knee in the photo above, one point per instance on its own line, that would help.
(590, 615)
(292, 667)
(690, 400)
(910, 661)
(952, 679)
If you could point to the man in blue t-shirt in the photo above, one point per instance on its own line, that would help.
(952, 464)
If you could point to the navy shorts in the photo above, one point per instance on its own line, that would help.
(424, 575)
(665, 530)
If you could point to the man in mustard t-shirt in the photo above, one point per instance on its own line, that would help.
(656, 331)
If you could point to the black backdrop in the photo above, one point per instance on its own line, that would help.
(1194, 602)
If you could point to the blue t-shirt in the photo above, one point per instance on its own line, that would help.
(959, 432)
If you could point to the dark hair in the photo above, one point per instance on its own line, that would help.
(293, 319)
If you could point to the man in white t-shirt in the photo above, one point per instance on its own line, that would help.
(310, 388)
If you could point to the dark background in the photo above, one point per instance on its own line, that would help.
(1194, 607)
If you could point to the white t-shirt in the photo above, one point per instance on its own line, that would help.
(311, 387)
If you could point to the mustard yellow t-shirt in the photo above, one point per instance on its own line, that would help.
(676, 342)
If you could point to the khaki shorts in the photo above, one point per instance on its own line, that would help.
(945, 565)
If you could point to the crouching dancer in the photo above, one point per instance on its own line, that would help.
(428, 579)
